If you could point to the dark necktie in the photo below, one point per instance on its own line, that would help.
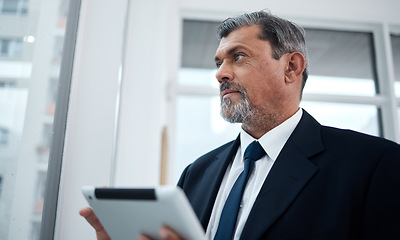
(229, 214)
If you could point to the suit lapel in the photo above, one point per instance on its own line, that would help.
(288, 176)
(215, 173)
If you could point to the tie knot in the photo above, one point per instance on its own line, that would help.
(254, 151)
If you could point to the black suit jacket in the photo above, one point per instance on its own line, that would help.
(326, 183)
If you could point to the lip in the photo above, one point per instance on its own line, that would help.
(227, 92)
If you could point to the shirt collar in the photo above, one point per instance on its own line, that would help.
(274, 140)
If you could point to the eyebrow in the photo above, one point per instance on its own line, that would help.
(231, 51)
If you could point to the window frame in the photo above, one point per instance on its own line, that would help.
(385, 100)
(52, 188)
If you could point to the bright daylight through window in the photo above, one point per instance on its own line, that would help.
(30, 57)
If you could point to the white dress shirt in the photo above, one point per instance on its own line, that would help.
(272, 143)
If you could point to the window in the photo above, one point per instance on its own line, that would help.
(358, 117)
(342, 89)
(28, 91)
(10, 47)
(209, 132)
(395, 40)
(198, 101)
(342, 64)
(1, 185)
(4, 135)
(17, 7)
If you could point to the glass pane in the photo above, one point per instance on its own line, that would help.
(198, 52)
(362, 118)
(398, 111)
(198, 44)
(198, 77)
(29, 72)
(339, 85)
(199, 129)
(10, 48)
(395, 39)
(340, 63)
(14, 6)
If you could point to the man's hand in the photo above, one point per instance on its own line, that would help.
(92, 219)
(165, 233)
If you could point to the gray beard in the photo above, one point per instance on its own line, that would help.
(240, 112)
(245, 112)
(236, 113)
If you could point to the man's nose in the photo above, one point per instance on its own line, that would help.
(224, 73)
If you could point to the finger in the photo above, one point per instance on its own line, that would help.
(167, 233)
(143, 237)
(91, 218)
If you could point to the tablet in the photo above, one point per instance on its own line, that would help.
(127, 212)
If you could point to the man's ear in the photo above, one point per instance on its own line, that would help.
(295, 66)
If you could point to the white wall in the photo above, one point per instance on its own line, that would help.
(144, 92)
(149, 53)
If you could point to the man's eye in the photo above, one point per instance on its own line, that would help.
(238, 57)
(218, 64)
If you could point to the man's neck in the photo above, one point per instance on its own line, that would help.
(265, 123)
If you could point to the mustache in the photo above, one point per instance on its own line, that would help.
(232, 86)
(235, 87)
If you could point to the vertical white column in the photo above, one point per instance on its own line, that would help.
(91, 114)
(150, 53)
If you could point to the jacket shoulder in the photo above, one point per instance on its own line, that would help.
(196, 169)
(346, 136)
(356, 145)
(213, 153)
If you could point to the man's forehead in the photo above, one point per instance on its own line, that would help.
(243, 33)
(242, 38)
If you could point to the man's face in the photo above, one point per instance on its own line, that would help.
(252, 82)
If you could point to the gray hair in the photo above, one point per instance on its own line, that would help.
(283, 35)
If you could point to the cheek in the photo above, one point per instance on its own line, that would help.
(265, 90)
(262, 82)
(259, 93)
(271, 76)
